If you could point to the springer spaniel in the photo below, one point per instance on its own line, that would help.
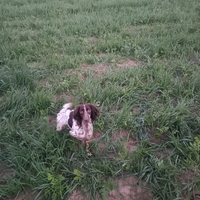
(79, 121)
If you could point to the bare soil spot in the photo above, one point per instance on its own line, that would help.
(194, 58)
(163, 154)
(5, 174)
(111, 155)
(96, 135)
(101, 145)
(123, 135)
(91, 42)
(101, 55)
(52, 120)
(188, 177)
(100, 68)
(77, 195)
(196, 196)
(26, 195)
(115, 111)
(128, 189)
(93, 39)
(144, 96)
(67, 98)
(36, 64)
(128, 141)
(137, 29)
(155, 139)
(128, 63)
(136, 110)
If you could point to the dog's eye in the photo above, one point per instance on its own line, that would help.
(81, 112)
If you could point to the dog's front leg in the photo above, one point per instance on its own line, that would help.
(87, 147)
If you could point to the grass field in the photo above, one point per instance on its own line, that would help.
(137, 60)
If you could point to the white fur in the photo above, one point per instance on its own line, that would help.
(85, 132)
(63, 116)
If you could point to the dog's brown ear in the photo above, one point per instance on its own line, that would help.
(77, 115)
(94, 112)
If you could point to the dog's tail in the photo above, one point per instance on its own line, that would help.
(67, 105)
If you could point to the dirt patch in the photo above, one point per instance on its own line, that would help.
(99, 68)
(128, 189)
(123, 135)
(188, 177)
(128, 63)
(163, 154)
(101, 55)
(137, 29)
(101, 145)
(196, 196)
(5, 174)
(67, 98)
(27, 195)
(115, 111)
(92, 39)
(136, 110)
(111, 155)
(76, 195)
(52, 120)
(193, 57)
(154, 138)
(96, 135)
(36, 64)
(128, 141)
(91, 42)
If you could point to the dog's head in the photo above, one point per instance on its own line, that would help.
(85, 112)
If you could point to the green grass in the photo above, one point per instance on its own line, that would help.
(43, 46)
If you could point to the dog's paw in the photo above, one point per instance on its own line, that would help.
(89, 154)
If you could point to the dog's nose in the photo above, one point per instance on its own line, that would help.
(86, 118)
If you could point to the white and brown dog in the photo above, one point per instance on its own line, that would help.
(80, 121)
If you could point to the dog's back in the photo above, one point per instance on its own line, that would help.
(63, 116)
